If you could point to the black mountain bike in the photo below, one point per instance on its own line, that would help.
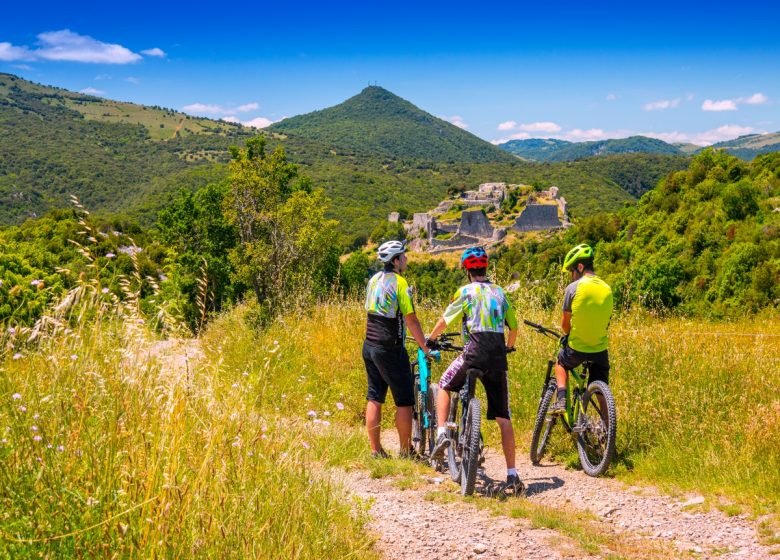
(424, 412)
(590, 415)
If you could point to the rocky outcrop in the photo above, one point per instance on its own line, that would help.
(537, 217)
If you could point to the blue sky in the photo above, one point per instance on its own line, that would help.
(579, 71)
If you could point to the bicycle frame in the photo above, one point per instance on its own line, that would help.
(424, 373)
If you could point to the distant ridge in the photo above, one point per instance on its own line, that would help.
(561, 150)
(380, 123)
(540, 149)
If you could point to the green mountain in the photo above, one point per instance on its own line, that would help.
(560, 150)
(535, 149)
(378, 122)
(752, 145)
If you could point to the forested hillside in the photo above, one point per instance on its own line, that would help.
(560, 150)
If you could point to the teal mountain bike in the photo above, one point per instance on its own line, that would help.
(590, 415)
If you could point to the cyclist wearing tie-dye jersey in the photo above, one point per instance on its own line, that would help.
(483, 309)
(390, 310)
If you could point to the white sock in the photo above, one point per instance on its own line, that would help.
(440, 431)
(510, 472)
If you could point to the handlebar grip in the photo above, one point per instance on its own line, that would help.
(532, 324)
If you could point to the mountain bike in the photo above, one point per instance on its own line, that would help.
(424, 411)
(590, 415)
(466, 451)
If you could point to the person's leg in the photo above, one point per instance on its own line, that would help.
(507, 441)
(403, 423)
(599, 371)
(566, 360)
(451, 380)
(497, 392)
(375, 397)
(373, 423)
(442, 408)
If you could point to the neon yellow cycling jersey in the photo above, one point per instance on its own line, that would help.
(388, 300)
(589, 300)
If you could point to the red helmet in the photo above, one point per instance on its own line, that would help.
(474, 257)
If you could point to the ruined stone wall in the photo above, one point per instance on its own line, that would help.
(538, 217)
(474, 223)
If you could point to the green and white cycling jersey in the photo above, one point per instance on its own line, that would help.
(483, 309)
(388, 300)
(589, 300)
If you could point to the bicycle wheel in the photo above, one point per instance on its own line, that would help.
(453, 450)
(544, 424)
(418, 433)
(471, 441)
(598, 422)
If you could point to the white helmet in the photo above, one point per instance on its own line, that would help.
(390, 249)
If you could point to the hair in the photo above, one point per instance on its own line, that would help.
(390, 266)
(475, 272)
(587, 264)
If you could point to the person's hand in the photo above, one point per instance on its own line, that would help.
(510, 349)
(432, 344)
(564, 341)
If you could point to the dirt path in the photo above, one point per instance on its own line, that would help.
(404, 520)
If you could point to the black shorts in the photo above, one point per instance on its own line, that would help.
(388, 367)
(570, 358)
(494, 382)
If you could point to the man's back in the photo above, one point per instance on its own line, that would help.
(589, 300)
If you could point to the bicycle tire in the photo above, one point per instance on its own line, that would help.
(418, 433)
(470, 462)
(596, 443)
(452, 450)
(543, 425)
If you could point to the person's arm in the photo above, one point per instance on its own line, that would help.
(453, 312)
(413, 324)
(566, 322)
(510, 318)
(440, 327)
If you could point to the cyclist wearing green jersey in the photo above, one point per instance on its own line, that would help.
(390, 310)
(587, 310)
(483, 309)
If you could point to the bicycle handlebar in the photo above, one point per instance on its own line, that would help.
(543, 330)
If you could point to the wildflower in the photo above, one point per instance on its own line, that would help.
(60, 448)
(245, 374)
(284, 395)
(34, 282)
(250, 454)
(236, 442)
(92, 501)
(105, 290)
(326, 413)
(34, 428)
(110, 255)
(263, 436)
(17, 356)
(235, 385)
(11, 330)
(74, 357)
(140, 321)
(305, 445)
(317, 421)
(3, 441)
(340, 406)
(37, 438)
(16, 397)
(311, 413)
(49, 446)
(22, 408)
(35, 417)
(325, 423)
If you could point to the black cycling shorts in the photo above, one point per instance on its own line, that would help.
(494, 381)
(388, 367)
(570, 358)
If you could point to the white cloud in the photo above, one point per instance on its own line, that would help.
(591, 134)
(611, 97)
(725, 132)
(133, 80)
(206, 109)
(154, 52)
(457, 120)
(22, 67)
(65, 45)
(755, 99)
(662, 104)
(545, 126)
(257, 122)
(518, 136)
(689, 97)
(9, 53)
(92, 91)
(100, 77)
(248, 107)
(722, 105)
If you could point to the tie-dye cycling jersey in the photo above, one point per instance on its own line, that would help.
(388, 299)
(483, 309)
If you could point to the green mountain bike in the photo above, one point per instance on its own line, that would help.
(590, 415)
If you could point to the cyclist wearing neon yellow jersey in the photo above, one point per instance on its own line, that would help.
(587, 310)
(390, 310)
(483, 309)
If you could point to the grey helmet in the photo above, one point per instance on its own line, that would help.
(390, 249)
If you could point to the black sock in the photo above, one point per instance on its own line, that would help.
(561, 393)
